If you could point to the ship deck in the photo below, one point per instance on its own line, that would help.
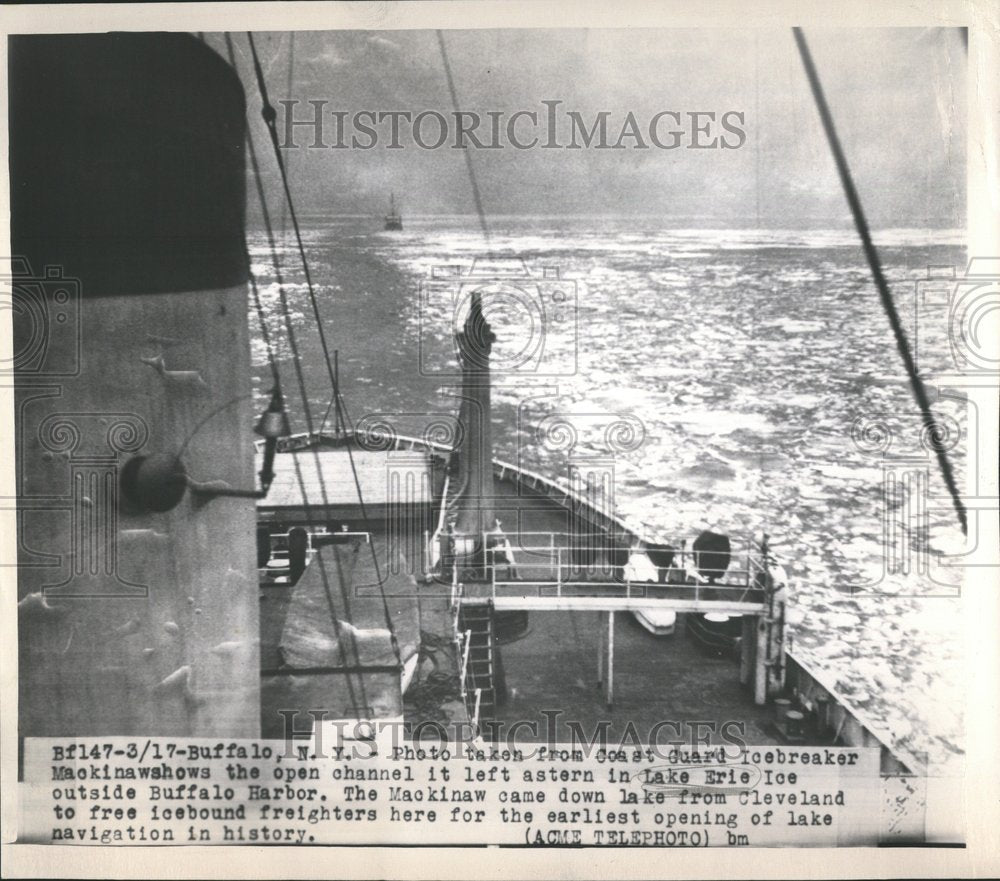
(667, 690)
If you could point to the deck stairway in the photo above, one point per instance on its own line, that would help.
(476, 623)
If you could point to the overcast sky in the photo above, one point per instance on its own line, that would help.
(897, 96)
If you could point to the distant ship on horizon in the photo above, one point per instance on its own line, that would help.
(393, 220)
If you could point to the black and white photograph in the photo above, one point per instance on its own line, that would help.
(526, 439)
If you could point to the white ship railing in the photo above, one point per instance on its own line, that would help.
(278, 569)
(463, 648)
(456, 595)
(475, 711)
(549, 560)
(466, 683)
(434, 542)
(464, 672)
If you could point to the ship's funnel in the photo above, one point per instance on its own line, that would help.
(132, 371)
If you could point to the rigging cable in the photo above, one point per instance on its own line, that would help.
(270, 116)
(296, 360)
(288, 95)
(933, 430)
(293, 344)
(476, 196)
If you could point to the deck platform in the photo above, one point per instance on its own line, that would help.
(660, 681)
(613, 596)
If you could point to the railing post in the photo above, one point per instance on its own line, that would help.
(465, 661)
(553, 557)
(600, 661)
(491, 561)
(610, 689)
(559, 572)
(747, 640)
(760, 661)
